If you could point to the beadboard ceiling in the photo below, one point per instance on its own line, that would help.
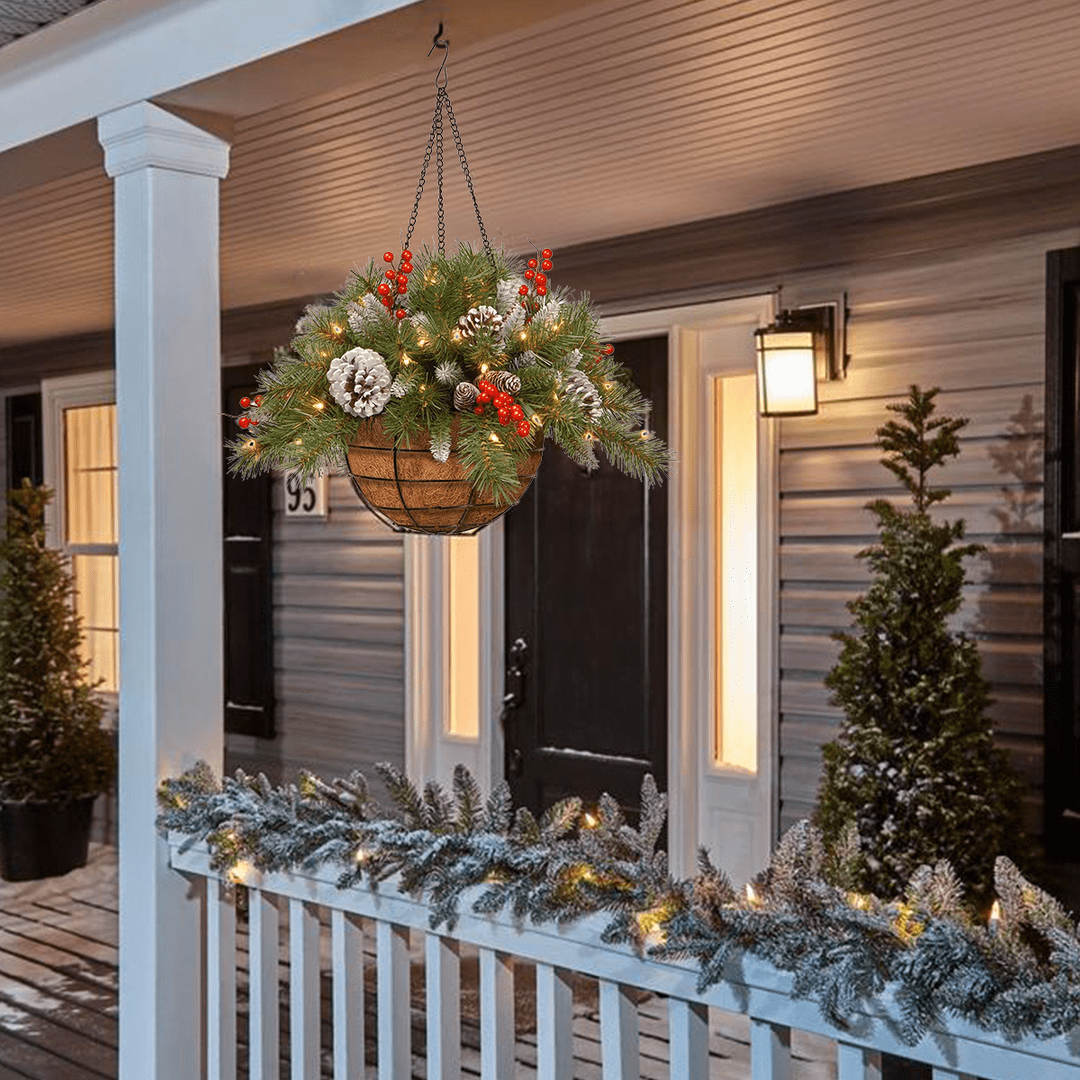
(607, 119)
(21, 17)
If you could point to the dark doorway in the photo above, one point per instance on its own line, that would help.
(1061, 570)
(249, 628)
(586, 621)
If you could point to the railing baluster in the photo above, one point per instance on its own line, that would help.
(554, 1024)
(220, 982)
(950, 1074)
(770, 1051)
(855, 1063)
(442, 969)
(347, 963)
(392, 974)
(688, 1030)
(263, 992)
(304, 1033)
(496, 1015)
(618, 1032)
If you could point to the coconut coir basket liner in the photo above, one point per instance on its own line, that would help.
(412, 492)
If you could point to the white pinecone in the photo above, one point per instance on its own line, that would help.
(476, 318)
(513, 321)
(577, 384)
(360, 382)
(506, 381)
(464, 395)
(527, 359)
(508, 294)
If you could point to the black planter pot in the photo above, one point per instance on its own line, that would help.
(44, 839)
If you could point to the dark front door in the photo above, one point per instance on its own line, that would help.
(1061, 571)
(586, 621)
(249, 631)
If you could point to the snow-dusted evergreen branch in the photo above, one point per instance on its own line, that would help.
(1018, 976)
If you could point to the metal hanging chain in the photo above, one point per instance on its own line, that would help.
(435, 139)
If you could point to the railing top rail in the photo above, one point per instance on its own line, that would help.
(751, 986)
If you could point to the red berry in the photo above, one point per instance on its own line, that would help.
(485, 386)
(504, 417)
(523, 291)
(244, 421)
(387, 302)
(258, 399)
(479, 408)
(383, 289)
(483, 398)
(406, 255)
(406, 268)
(609, 349)
(541, 290)
(400, 313)
(546, 253)
(254, 422)
(402, 279)
(391, 275)
(502, 400)
(523, 428)
(403, 288)
(541, 279)
(516, 412)
(388, 256)
(245, 402)
(531, 264)
(529, 275)
(546, 264)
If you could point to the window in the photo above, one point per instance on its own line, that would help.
(81, 467)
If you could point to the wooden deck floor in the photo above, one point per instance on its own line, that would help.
(58, 998)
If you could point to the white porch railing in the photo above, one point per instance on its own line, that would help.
(754, 989)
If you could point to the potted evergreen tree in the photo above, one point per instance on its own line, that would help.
(913, 776)
(55, 755)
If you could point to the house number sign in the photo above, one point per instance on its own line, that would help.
(306, 500)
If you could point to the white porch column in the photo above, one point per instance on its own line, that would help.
(166, 174)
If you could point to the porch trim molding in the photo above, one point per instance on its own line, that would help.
(168, 369)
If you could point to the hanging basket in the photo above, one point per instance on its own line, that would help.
(412, 492)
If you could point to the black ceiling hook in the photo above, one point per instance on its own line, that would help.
(445, 46)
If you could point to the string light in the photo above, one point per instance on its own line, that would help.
(336, 328)
(995, 917)
(493, 437)
(522, 335)
(589, 820)
(752, 894)
(483, 367)
(320, 405)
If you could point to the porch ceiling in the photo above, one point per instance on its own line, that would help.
(610, 118)
(21, 17)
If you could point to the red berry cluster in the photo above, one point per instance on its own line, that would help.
(537, 276)
(508, 409)
(249, 421)
(397, 281)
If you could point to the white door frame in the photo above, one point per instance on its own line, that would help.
(700, 339)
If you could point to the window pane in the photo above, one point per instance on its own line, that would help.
(91, 489)
(97, 601)
(736, 573)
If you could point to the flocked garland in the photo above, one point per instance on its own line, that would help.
(1018, 975)
(475, 347)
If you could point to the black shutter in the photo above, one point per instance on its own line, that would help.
(249, 627)
(24, 453)
(1061, 564)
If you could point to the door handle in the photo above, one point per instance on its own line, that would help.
(518, 654)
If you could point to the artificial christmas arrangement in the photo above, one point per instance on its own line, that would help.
(434, 380)
(913, 776)
(1018, 974)
(55, 756)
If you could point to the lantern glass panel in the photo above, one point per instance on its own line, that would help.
(787, 373)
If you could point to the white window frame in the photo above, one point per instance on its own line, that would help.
(58, 395)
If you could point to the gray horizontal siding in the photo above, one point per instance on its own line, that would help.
(339, 644)
(970, 321)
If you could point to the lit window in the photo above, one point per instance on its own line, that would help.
(90, 534)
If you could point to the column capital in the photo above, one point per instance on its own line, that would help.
(144, 135)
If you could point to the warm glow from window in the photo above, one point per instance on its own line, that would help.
(463, 627)
(736, 576)
(91, 535)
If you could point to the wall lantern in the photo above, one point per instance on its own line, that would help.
(803, 345)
